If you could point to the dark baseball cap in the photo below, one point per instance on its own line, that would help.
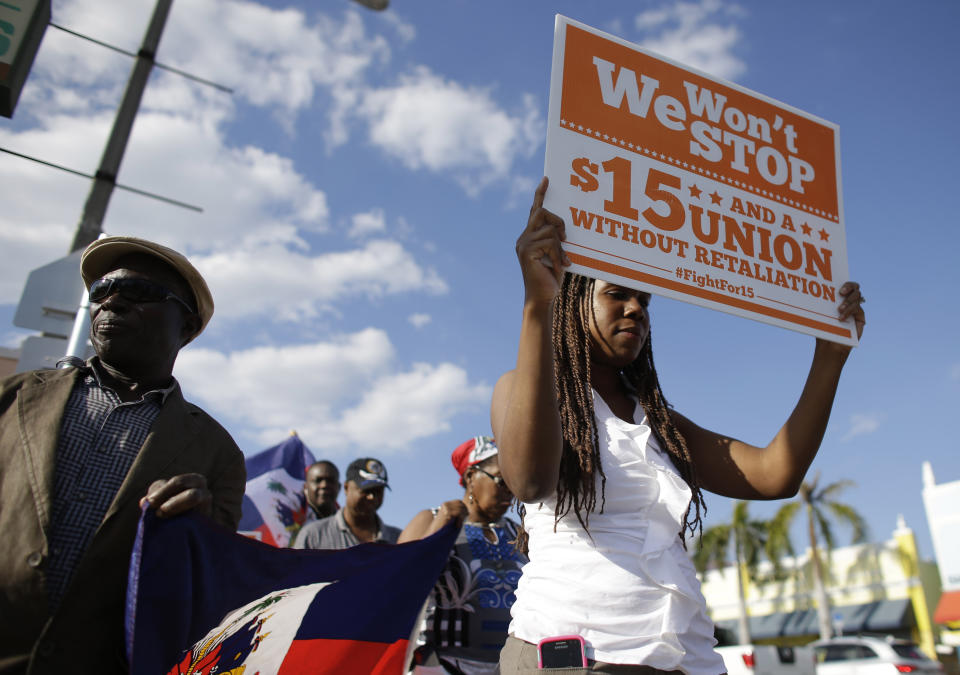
(367, 472)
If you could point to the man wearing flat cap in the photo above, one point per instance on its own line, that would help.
(83, 448)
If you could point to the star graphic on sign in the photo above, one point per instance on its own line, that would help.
(715, 198)
(695, 191)
(806, 229)
(824, 235)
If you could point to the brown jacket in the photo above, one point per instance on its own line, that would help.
(86, 634)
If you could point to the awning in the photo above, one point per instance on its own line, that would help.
(948, 609)
(878, 616)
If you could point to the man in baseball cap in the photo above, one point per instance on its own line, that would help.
(357, 522)
(367, 472)
(84, 447)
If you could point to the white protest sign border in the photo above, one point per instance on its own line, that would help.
(685, 185)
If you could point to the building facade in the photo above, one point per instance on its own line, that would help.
(942, 504)
(873, 588)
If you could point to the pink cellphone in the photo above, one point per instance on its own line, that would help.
(562, 651)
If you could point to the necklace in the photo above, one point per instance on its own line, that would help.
(488, 529)
(482, 548)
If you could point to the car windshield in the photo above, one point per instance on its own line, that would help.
(839, 652)
(909, 651)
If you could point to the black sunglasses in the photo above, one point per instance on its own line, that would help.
(497, 480)
(134, 290)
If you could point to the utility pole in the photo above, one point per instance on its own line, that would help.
(91, 222)
(47, 299)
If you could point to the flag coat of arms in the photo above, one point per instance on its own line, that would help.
(204, 600)
(274, 507)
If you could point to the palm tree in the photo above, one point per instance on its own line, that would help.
(749, 538)
(819, 504)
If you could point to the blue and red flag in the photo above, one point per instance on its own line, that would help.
(245, 606)
(274, 506)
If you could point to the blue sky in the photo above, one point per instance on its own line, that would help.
(364, 186)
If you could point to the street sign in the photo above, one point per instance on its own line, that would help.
(22, 24)
(678, 183)
(51, 297)
(38, 352)
(838, 623)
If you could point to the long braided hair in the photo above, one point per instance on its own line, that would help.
(580, 463)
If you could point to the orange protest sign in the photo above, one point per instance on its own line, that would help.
(684, 185)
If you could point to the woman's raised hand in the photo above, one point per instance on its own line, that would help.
(453, 510)
(852, 305)
(542, 260)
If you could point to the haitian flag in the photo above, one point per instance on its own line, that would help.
(247, 606)
(273, 505)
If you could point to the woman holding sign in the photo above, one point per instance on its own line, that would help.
(612, 478)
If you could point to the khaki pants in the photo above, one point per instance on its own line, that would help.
(520, 658)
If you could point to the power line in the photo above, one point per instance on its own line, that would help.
(117, 185)
(134, 55)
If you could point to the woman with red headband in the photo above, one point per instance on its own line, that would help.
(469, 608)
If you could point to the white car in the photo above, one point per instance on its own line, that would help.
(863, 655)
(768, 660)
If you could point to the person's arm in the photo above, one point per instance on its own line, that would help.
(732, 468)
(426, 522)
(523, 412)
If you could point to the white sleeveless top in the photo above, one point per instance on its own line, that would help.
(631, 592)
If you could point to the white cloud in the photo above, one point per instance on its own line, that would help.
(370, 222)
(862, 424)
(245, 192)
(698, 34)
(181, 146)
(271, 57)
(281, 59)
(338, 395)
(290, 284)
(401, 408)
(65, 59)
(419, 320)
(405, 31)
(275, 58)
(955, 371)
(241, 189)
(427, 122)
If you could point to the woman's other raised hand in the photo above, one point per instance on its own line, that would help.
(542, 259)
